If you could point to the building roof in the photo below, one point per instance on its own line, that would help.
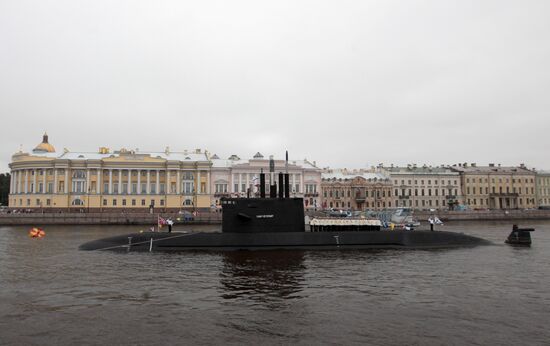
(44, 147)
(343, 174)
(168, 156)
(423, 170)
(491, 169)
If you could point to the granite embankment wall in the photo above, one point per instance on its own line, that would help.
(485, 215)
(105, 218)
(37, 219)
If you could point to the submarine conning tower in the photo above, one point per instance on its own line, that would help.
(276, 213)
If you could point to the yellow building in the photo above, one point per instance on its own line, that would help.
(105, 180)
(497, 187)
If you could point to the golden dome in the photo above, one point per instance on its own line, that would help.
(44, 147)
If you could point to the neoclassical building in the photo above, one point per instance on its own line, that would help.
(134, 180)
(355, 190)
(425, 187)
(543, 188)
(236, 177)
(127, 179)
(497, 187)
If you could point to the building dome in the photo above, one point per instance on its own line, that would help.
(44, 147)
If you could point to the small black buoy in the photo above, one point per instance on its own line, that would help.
(520, 236)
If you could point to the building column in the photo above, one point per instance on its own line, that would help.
(87, 189)
(168, 183)
(120, 181)
(55, 180)
(157, 190)
(301, 182)
(178, 182)
(26, 190)
(12, 181)
(198, 183)
(139, 181)
(110, 181)
(34, 189)
(129, 181)
(67, 180)
(240, 183)
(98, 181)
(208, 182)
(148, 181)
(44, 173)
(19, 186)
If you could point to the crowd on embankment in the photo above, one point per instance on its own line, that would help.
(136, 218)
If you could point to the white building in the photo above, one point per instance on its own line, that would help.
(235, 177)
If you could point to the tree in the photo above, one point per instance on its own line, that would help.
(4, 188)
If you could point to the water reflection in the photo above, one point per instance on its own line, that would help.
(262, 276)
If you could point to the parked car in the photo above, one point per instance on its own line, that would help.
(186, 215)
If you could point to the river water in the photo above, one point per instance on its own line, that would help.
(51, 293)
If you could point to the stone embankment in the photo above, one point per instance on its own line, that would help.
(484, 215)
(205, 218)
(105, 218)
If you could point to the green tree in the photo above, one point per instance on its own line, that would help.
(4, 188)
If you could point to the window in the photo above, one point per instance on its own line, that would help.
(79, 174)
(221, 188)
(162, 188)
(143, 188)
(153, 189)
(134, 188)
(162, 202)
(77, 201)
(124, 202)
(133, 202)
(50, 187)
(79, 186)
(172, 187)
(115, 189)
(114, 202)
(124, 188)
(188, 187)
(104, 201)
(48, 202)
(40, 187)
(106, 188)
(143, 202)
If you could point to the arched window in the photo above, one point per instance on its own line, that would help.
(77, 201)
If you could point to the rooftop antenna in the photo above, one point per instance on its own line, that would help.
(286, 163)
(287, 178)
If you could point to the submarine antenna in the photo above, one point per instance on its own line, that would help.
(287, 178)
(273, 184)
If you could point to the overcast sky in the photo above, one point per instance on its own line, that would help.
(345, 83)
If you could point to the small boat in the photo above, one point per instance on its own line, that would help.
(520, 236)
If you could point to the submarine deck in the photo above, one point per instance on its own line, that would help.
(218, 241)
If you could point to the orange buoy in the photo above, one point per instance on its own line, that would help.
(36, 232)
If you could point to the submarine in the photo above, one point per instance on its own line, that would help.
(277, 222)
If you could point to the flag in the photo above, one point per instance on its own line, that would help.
(161, 222)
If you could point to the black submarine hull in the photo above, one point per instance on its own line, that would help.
(219, 241)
